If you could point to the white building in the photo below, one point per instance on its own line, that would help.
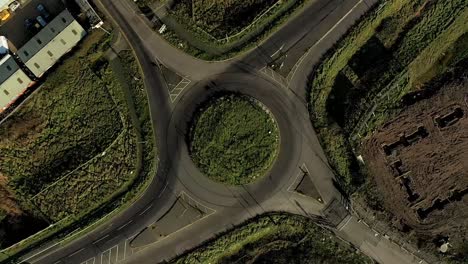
(13, 81)
(52, 42)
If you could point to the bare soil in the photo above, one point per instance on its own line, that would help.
(420, 163)
(7, 200)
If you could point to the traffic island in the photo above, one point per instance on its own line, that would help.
(233, 139)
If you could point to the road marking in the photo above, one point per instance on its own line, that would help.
(102, 256)
(76, 252)
(25, 260)
(124, 225)
(165, 186)
(276, 52)
(97, 241)
(147, 208)
(274, 76)
(88, 261)
(322, 38)
(179, 88)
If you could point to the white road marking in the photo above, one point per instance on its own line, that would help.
(322, 38)
(180, 88)
(76, 252)
(88, 261)
(102, 238)
(165, 186)
(124, 225)
(108, 259)
(276, 52)
(26, 260)
(147, 208)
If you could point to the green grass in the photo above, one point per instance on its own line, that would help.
(111, 177)
(396, 48)
(196, 41)
(233, 140)
(219, 18)
(276, 238)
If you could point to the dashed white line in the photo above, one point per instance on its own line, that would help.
(102, 238)
(276, 52)
(165, 186)
(76, 252)
(147, 208)
(124, 225)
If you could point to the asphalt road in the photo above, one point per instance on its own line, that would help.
(303, 39)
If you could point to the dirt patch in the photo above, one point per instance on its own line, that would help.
(21, 132)
(420, 163)
(7, 200)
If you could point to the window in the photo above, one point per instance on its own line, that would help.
(8, 67)
(26, 53)
(63, 41)
(39, 41)
(64, 20)
(50, 53)
(6, 92)
(74, 32)
(36, 65)
(19, 80)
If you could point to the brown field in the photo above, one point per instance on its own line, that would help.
(420, 163)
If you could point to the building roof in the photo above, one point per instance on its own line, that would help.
(8, 66)
(47, 34)
(4, 3)
(55, 49)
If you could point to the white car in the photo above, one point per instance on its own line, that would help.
(14, 5)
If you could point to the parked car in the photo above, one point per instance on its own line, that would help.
(28, 23)
(41, 9)
(4, 15)
(41, 21)
(14, 5)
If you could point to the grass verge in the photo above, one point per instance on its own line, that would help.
(197, 42)
(361, 82)
(276, 238)
(102, 186)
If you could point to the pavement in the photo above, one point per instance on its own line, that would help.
(303, 39)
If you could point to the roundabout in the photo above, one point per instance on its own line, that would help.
(179, 183)
(288, 149)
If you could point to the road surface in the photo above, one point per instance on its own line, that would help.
(298, 45)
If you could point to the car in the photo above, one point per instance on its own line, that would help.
(41, 9)
(28, 23)
(14, 5)
(41, 21)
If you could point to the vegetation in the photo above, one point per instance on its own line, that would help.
(360, 84)
(97, 108)
(276, 238)
(225, 32)
(233, 140)
(220, 18)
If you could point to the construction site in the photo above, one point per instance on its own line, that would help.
(419, 162)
